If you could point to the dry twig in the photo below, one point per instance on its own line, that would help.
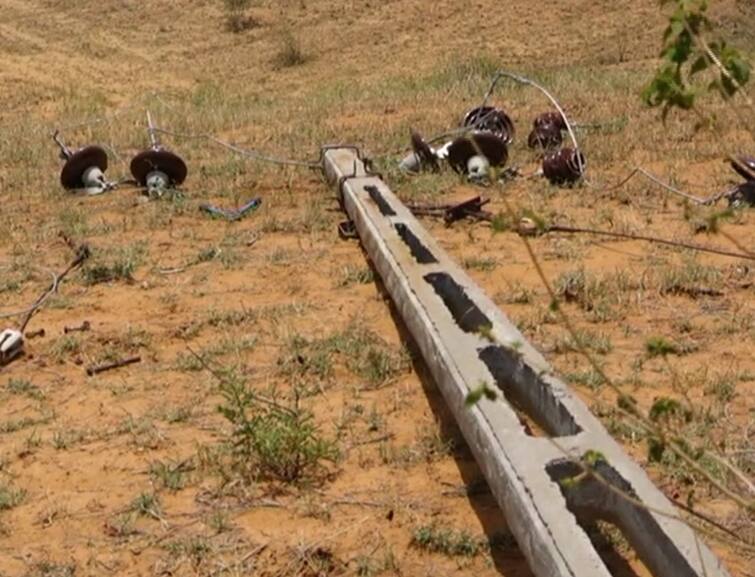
(82, 254)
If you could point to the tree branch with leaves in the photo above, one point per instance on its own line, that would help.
(693, 63)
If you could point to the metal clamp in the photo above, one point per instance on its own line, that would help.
(344, 179)
(347, 230)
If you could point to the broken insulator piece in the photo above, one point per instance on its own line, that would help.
(423, 152)
(476, 153)
(85, 169)
(565, 166)
(425, 155)
(547, 131)
(491, 119)
(11, 345)
(158, 170)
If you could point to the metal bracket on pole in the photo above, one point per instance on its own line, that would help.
(467, 341)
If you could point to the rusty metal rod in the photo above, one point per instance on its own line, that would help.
(96, 369)
(453, 212)
(82, 328)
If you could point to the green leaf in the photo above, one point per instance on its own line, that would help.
(680, 50)
(627, 403)
(656, 449)
(592, 458)
(664, 407)
(739, 69)
(672, 86)
(475, 395)
(701, 63)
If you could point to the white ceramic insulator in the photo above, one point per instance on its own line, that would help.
(478, 167)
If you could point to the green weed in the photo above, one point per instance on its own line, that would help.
(10, 497)
(448, 541)
(273, 441)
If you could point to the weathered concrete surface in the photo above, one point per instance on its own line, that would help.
(466, 340)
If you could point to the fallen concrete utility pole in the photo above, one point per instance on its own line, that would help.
(537, 479)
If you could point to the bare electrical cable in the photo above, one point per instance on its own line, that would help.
(253, 154)
(528, 228)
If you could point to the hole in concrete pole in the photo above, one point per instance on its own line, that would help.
(526, 391)
(377, 198)
(467, 315)
(608, 499)
(419, 251)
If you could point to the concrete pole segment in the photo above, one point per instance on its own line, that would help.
(536, 478)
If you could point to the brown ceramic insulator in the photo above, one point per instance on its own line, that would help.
(160, 159)
(491, 119)
(744, 166)
(79, 162)
(545, 136)
(423, 151)
(563, 166)
(487, 144)
(552, 117)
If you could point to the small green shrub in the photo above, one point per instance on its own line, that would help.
(118, 265)
(660, 347)
(10, 497)
(365, 354)
(450, 542)
(272, 441)
(26, 388)
(168, 475)
(147, 505)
